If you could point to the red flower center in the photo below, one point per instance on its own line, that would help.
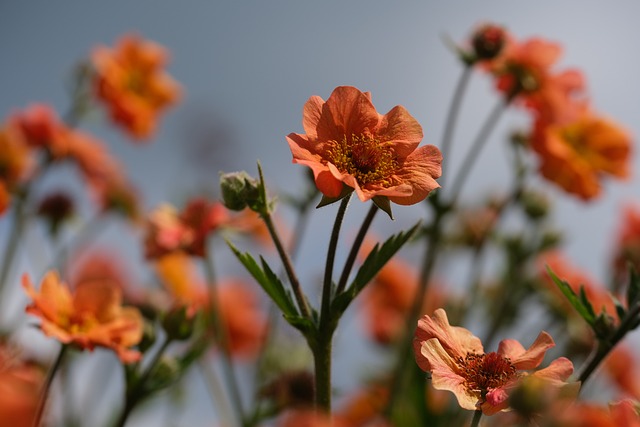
(365, 158)
(483, 372)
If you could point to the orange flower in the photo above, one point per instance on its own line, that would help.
(20, 385)
(364, 407)
(347, 142)
(131, 81)
(623, 413)
(168, 230)
(238, 304)
(177, 273)
(90, 316)
(627, 243)
(41, 127)
(457, 362)
(621, 366)
(576, 155)
(244, 322)
(524, 71)
(16, 157)
(5, 198)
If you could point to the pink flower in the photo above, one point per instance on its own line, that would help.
(457, 362)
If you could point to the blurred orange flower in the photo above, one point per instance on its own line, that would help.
(5, 198)
(238, 304)
(20, 385)
(627, 243)
(168, 231)
(42, 128)
(90, 316)
(131, 81)
(577, 154)
(457, 362)
(347, 142)
(622, 413)
(621, 366)
(178, 274)
(16, 157)
(524, 71)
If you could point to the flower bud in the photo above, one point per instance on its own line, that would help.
(148, 337)
(488, 41)
(165, 373)
(56, 208)
(239, 190)
(535, 204)
(530, 397)
(178, 323)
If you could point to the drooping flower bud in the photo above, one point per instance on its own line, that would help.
(488, 41)
(55, 209)
(239, 190)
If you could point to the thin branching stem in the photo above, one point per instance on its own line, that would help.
(44, 395)
(353, 254)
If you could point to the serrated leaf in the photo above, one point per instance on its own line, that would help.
(374, 262)
(574, 300)
(587, 304)
(267, 280)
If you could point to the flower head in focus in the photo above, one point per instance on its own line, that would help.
(350, 146)
(457, 362)
(576, 155)
(131, 81)
(91, 316)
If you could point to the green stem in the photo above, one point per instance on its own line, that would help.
(11, 248)
(133, 394)
(452, 117)
(476, 147)
(431, 254)
(47, 386)
(605, 346)
(216, 392)
(322, 346)
(223, 341)
(353, 254)
(475, 422)
(288, 266)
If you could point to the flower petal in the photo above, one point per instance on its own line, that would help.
(420, 170)
(526, 359)
(401, 130)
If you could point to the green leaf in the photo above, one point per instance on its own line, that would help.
(585, 310)
(374, 262)
(268, 280)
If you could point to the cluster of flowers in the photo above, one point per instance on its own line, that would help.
(91, 302)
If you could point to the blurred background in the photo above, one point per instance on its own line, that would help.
(247, 68)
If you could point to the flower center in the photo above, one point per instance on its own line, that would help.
(483, 372)
(365, 158)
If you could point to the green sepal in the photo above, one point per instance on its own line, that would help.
(268, 280)
(326, 200)
(384, 204)
(371, 266)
